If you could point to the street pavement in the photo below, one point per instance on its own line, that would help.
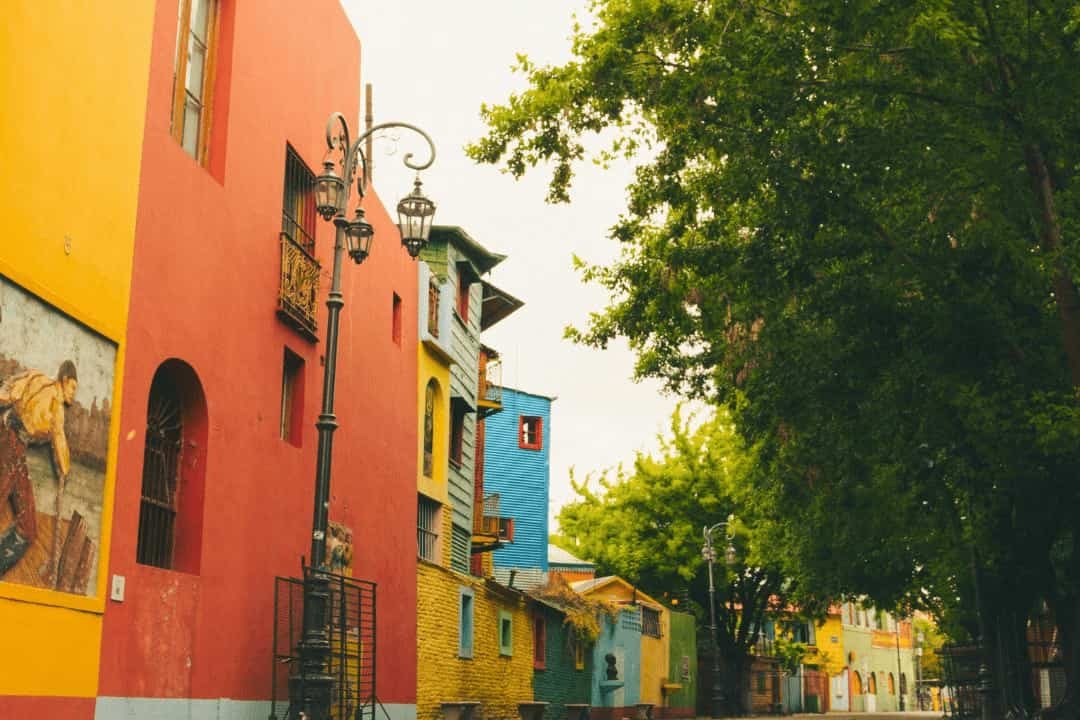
(913, 715)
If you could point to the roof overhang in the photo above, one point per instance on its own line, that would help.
(497, 304)
(479, 255)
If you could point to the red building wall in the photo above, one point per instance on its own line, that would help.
(204, 290)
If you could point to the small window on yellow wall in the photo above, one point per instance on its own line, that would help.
(193, 78)
(506, 633)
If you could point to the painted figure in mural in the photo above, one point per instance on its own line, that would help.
(31, 412)
(339, 549)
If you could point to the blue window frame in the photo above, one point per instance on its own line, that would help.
(465, 622)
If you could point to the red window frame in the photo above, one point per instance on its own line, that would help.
(465, 280)
(457, 434)
(539, 643)
(537, 435)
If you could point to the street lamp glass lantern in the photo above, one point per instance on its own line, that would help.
(415, 214)
(358, 237)
(329, 191)
(729, 555)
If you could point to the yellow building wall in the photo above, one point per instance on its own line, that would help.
(655, 655)
(497, 682)
(830, 645)
(74, 80)
(429, 367)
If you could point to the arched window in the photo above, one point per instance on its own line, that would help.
(430, 397)
(856, 683)
(174, 452)
(903, 683)
(871, 685)
(892, 685)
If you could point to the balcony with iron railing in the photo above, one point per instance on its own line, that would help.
(490, 530)
(298, 291)
(763, 648)
(489, 390)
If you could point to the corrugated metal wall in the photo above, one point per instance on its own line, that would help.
(520, 477)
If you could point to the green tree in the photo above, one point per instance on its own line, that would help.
(854, 227)
(932, 640)
(646, 526)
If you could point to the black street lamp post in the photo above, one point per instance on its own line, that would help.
(310, 690)
(709, 553)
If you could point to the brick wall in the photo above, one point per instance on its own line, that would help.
(496, 681)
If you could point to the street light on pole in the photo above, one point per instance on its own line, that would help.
(709, 553)
(310, 690)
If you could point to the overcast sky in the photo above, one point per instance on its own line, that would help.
(432, 63)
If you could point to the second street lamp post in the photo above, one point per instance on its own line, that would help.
(709, 553)
(310, 690)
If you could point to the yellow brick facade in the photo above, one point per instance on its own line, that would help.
(498, 682)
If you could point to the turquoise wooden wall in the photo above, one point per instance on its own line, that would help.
(520, 477)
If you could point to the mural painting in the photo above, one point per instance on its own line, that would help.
(56, 386)
(339, 549)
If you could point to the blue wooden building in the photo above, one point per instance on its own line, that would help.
(517, 469)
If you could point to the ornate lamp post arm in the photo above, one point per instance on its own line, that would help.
(353, 158)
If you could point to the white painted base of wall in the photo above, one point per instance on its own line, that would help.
(119, 708)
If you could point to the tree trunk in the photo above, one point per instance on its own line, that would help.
(1065, 294)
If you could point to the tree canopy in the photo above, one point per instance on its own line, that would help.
(646, 525)
(855, 226)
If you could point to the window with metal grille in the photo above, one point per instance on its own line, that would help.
(650, 622)
(161, 470)
(427, 528)
(298, 207)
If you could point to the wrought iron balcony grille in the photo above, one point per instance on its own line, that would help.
(491, 382)
(350, 626)
(299, 290)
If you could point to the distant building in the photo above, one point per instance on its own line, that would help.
(569, 567)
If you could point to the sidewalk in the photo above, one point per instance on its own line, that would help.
(841, 715)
